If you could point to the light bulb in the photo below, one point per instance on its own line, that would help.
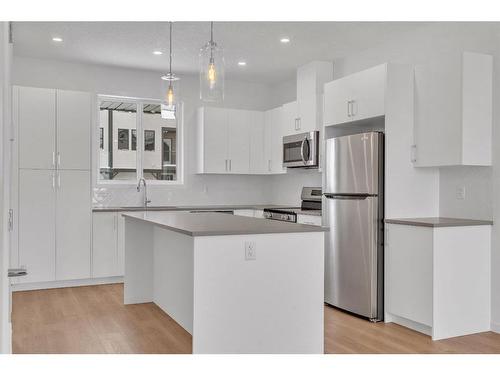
(170, 96)
(212, 75)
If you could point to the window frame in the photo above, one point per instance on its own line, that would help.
(140, 103)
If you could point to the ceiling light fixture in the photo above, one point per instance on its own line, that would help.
(170, 81)
(211, 70)
(242, 63)
(157, 53)
(57, 39)
(285, 40)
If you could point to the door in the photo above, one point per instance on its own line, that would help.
(336, 102)
(351, 254)
(258, 156)
(215, 140)
(37, 128)
(291, 123)
(368, 93)
(277, 131)
(74, 118)
(73, 225)
(104, 244)
(238, 146)
(37, 224)
(353, 163)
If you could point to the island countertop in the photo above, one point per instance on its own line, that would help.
(217, 224)
(438, 222)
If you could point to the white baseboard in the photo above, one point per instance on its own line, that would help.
(419, 327)
(66, 283)
(495, 327)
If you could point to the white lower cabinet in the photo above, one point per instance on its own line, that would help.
(37, 217)
(108, 246)
(73, 225)
(104, 244)
(437, 279)
(54, 224)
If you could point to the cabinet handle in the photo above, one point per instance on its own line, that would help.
(58, 159)
(299, 122)
(353, 113)
(225, 168)
(53, 181)
(413, 153)
(230, 165)
(348, 108)
(53, 158)
(58, 180)
(269, 165)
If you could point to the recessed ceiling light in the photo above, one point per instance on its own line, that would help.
(285, 40)
(57, 39)
(157, 53)
(242, 63)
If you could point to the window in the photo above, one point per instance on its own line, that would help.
(149, 140)
(123, 139)
(125, 123)
(134, 140)
(101, 138)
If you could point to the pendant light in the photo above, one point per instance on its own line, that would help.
(170, 86)
(211, 70)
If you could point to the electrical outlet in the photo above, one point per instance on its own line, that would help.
(460, 193)
(250, 250)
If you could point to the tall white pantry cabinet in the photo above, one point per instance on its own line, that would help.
(52, 145)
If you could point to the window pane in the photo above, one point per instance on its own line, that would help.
(134, 139)
(101, 138)
(117, 158)
(160, 145)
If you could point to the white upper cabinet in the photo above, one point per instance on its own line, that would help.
(36, 113)
(54, 128)
(310, 85)
(453, 111)
(273, 140)
(212, 140)
(258, 155)
(74, 119)
(305, 114)
(356, 97)
(238, 141)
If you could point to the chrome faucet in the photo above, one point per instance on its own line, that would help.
(146, 200)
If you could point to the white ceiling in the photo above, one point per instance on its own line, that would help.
(130, 44)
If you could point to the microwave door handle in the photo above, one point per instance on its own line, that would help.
(302, 150)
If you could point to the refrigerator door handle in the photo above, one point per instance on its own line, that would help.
(359, 197)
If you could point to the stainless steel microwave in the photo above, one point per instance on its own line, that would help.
(301, 150)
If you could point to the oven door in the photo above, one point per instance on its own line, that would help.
(301, 150)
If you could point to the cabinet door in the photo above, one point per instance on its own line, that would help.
(74, 118)
(368, 93)
(246, 212)
(37, 224)
(104, 244)
(258, 156)
(215, 140)
(336, 102)
(268, 139)
(277, 132)
(309, 219)
(37, 128)
(306, 99)
(291, 123)
(238, 146)
(73, 225)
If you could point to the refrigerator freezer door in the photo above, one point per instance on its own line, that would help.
(351, 256)
(353, 164)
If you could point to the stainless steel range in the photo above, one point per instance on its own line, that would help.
(311, 201)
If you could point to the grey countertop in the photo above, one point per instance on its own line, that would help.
(438, 222)
(217, 224)
(194, 208)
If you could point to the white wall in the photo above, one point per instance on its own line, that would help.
(197, 189)
(5, 115)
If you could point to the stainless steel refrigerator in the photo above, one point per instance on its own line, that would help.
(354, 211)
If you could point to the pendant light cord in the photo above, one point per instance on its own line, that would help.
(170, 68)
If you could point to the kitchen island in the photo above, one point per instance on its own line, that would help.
(236, 284)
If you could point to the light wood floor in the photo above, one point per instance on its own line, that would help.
(93, 319)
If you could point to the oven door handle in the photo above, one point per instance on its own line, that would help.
(302, 150)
